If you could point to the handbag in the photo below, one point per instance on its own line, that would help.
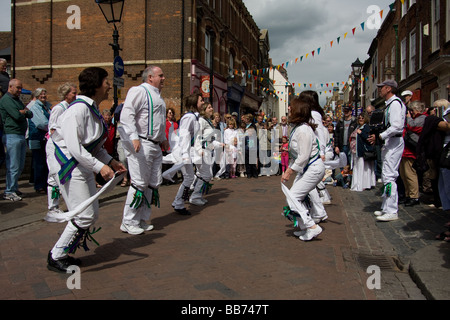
(369, 155)
(444, 160)
(410, 142)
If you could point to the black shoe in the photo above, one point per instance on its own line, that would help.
(58, 265)
(74, 261)
(403, 200)
(183, 212)
(411, 202)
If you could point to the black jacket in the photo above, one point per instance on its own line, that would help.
(339, 132)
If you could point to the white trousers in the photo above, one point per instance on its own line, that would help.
(79, 188)
(53, 168)
(304, 183)
(204, 171)
(145, 173)
(391, 155)
(188, 177)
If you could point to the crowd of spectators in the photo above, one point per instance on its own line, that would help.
(256, 145)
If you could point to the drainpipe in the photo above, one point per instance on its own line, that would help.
(182, 57)
(13, 62)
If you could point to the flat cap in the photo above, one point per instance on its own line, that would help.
(390, 83)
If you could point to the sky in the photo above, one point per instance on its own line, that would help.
(5, 15)
(297, 28)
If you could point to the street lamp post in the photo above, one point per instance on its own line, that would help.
(356, 66)
(112, 11)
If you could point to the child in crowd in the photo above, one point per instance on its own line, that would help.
(345, 177)
(284, 149)
(232, 154)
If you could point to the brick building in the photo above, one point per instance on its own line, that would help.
(413, 48)
(194, 42)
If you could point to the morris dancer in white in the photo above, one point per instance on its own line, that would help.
(78, 139)
(392, 150)
(204, 145)
(318, 194)
(306, 165)
(187, 130)
(67, 93)
(143, 120)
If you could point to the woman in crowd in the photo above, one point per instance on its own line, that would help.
(415, 118)
(305, 165)
(251, 147)
(363, 170)
(67, 93)
(78, 138)
(38, 129)
(171, 127)
(228, 139)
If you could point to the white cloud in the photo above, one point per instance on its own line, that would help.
(299, 27)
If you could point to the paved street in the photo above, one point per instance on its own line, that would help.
(237, 247)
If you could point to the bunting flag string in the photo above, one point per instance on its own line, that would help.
(314, 53)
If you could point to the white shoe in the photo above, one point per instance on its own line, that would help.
(197, 202)
(326, 202)
(299, 233)
(388, 217)
(378, 213)
(135, 230)
(311, 233)
(55, 211)
(146, 227)
(318, 220)
(11, 196)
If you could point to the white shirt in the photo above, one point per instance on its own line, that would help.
(57, 110)
(303, 145)
(228, 136)
(136, 116)
(76, 128)
(187, 129)
(396, 118)
(321, 132)
(205, 138)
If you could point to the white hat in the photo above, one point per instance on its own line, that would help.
(407, 93)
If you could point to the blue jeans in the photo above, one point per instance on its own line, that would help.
(16, 148)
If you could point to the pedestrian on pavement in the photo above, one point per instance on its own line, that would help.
(67, 93)
(391, 152)
(342, 132)
(305, 165)
(4, 82)
(204, 146)
(377, 147)
(444, 171)
(14, 116)
(415, 119)
(78, 138)
(171, 134)
(37, 139)
(407, 96)
(363, 170)
(187, 129)
(143, 119)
